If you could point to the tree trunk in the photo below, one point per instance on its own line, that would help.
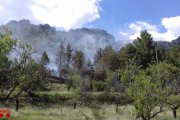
(91, 86)
(69, 87)
(144, 118)
(174, 113)
(74, 105)
(116, 108)
(17, 104)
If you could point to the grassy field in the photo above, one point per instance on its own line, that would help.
(104, 112)
(66, 111)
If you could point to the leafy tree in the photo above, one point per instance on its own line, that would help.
(17, 73)
(146, 96)
(126, 53)
(129, 72)
(6, 47)
(149, 88)
(74, 82)
(163, 73)
(112, 81)
(106, 59)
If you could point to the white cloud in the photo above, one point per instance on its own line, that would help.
(14, 10)
(1, 8)
(67, 14)
(171, 24)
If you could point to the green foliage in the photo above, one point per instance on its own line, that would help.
(126, 53)
(129, 72)
(174, 55)
(162, 74)
(69, 54)
(98, 112)
(23, 71)
(149, 88)
(44, 59)
(106, 59)
(174, 100)
(78, 59)
(146, 95)
(75, 80)
(142, 49)
(99, 85)
(6, 46)
(112, 81)
(145, 48)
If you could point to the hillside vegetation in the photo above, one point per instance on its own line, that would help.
(139, 81)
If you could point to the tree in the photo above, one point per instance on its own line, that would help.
(174, 103)
(174, 55)
(112, 81)
(17, 69)
(126, 53)
(17, 73)
(146, 96)
(106, 59)
(90, 65)
(44, 59)
(61, 58)
(97, 57)
(69, 55)
(75, 81)
(149, 88)
(78, 59)
(6, 47)
(145, 48)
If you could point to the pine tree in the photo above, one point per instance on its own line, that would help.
(78, 60)
(68, 55)
(44, 59)
(61, 58)
(145, 48)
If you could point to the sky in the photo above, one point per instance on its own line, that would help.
(122, 18)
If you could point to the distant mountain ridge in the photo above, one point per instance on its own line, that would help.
(176, 41)
(166, 44)
(47, 38)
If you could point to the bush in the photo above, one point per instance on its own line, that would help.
(99, 85)
(110, 98)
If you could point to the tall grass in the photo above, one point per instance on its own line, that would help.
(103, 112)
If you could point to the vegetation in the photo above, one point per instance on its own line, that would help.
(140, 81)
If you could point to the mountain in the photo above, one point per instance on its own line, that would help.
(176, 41)
(167, 44)
(47, 38)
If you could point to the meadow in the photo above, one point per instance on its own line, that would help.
(94, 111)
(103, 112)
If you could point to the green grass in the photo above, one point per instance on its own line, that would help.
(104, 112)
(66, 111)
